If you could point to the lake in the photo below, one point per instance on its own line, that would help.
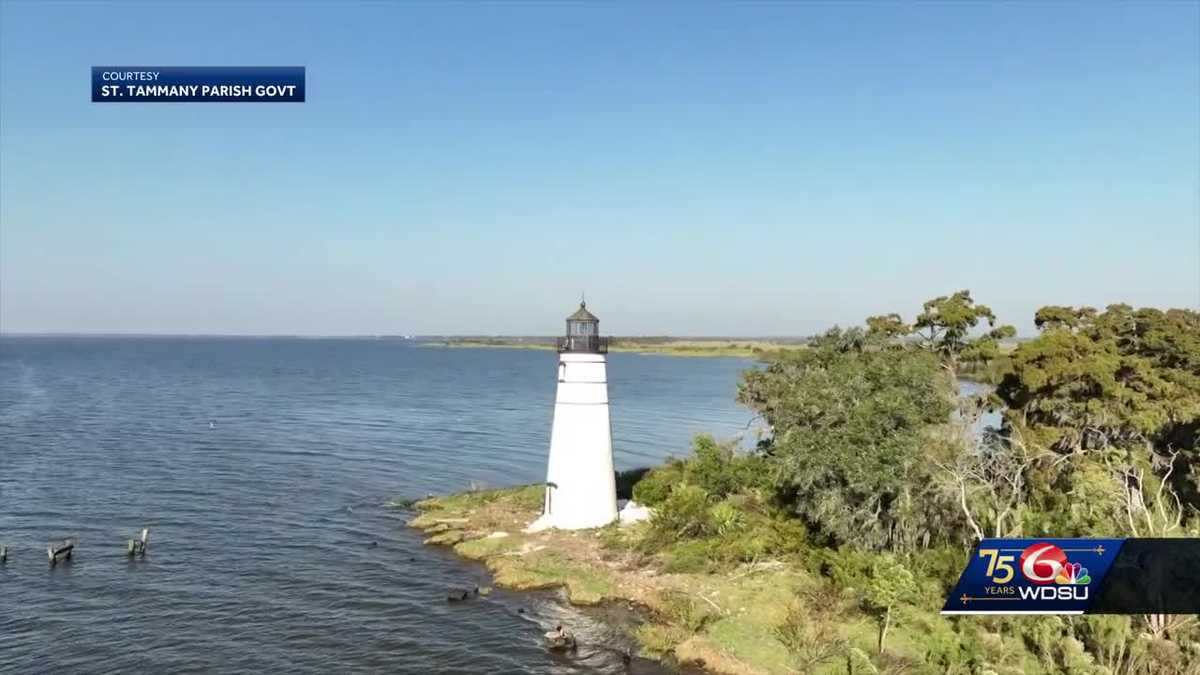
(264, 467)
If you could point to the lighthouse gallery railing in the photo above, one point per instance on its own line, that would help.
(583, 343)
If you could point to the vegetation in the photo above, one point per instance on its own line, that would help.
(831, 546)
(710, 347)
(849, 418)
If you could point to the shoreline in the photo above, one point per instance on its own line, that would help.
(680, 348)
(697, 622)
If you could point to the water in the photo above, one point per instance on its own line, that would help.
(263, 467)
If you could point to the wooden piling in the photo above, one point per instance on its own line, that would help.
(3, 554)
(60, 551)
(138, 547)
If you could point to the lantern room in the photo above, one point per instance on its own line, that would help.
(583, 333)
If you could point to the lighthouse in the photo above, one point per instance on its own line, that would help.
(581, 489)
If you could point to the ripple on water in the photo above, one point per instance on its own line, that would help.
(263, 467)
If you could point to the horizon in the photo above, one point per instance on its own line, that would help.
(708, 170)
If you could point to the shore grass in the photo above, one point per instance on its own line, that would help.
(723, 620)
(669, 347)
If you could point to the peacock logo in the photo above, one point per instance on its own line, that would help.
(1073, 574)
(1044, 563)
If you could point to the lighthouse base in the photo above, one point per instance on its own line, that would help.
(581, 489)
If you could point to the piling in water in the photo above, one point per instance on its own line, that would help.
(60, 551)
(138, 547)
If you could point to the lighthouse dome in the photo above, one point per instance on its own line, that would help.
(582, 314)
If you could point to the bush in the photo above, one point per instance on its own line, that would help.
(690, 557)
(714, 467)
(850, 421)
(811, 638)
(655, 486)
(948, 650)
(715, 494)
(681, 609)
(1042, 633)
(849, 568)
(683, 515)
(937, 571)
(717, 467)
(736, 536)
(725, 519)
(786, 536)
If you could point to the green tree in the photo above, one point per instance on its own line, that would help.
(1056, 316)
(1114, 396)
(890, 584)
(945, 325)
(848, 421)
(887, 326)
(1121, 380)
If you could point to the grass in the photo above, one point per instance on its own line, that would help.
(666, 346)
(724, 619)
(744, 349)
(585, 584)
(724, 616)
(743, 631)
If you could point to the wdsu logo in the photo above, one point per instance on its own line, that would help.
(1028, 576)
(1043, 565)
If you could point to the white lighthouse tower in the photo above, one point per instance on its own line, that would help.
(581, 490)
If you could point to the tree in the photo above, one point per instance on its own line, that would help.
(1055, 316)
(945, 324)
(1122, 380)
(848, 421)
(989, 480)
(887, 326)
(890, 584)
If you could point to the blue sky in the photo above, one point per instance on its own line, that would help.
(697, 168)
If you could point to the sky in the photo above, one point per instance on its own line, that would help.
(695, 168)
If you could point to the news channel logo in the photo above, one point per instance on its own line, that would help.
(1027, 576)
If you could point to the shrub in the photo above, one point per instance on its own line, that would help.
(849, 568)
(721, 470)
(725, 518)
(682, 609)
(660, 640)
(689, 557)
(889, 585)
(947, 649)
(810, 637)
(716, 468)
(656, 485)
(1041, 634)
(785, 536)
(682, 515)
(937, 571)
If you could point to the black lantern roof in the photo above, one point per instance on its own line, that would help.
(582, 314)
